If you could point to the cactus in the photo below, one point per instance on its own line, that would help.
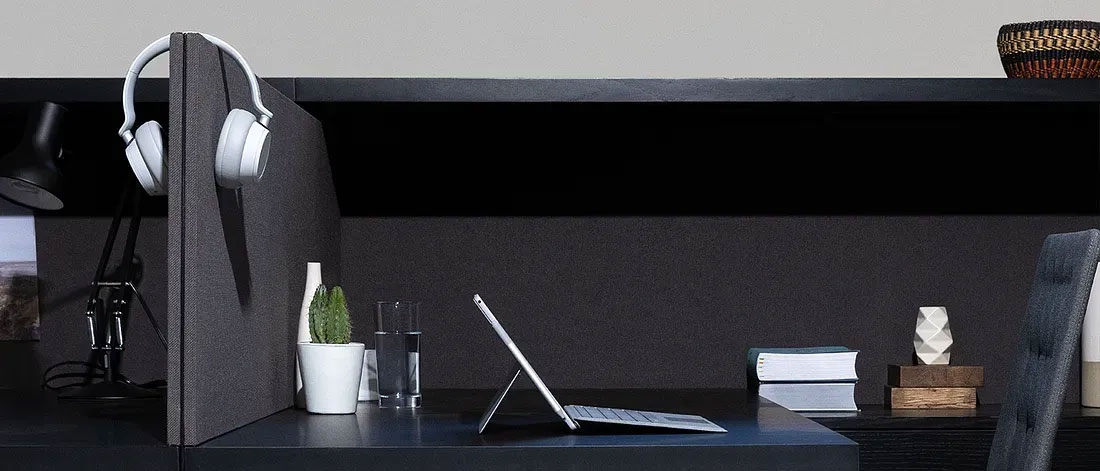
(329, 321)
(317, 313)
(338, 325)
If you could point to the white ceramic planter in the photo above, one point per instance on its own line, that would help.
(330, 376)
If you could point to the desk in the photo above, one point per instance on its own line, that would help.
(38, 433)
(956, 439)
(442, 435)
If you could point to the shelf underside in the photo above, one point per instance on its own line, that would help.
(763, 90)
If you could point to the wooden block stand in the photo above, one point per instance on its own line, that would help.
(933, 386)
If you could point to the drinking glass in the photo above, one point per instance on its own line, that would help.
(397, 341)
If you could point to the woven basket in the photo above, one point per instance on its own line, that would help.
(1050, 49)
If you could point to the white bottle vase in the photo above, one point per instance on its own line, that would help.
(1090, 348)
(313, 280)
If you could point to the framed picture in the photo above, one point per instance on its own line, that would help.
(18, 274)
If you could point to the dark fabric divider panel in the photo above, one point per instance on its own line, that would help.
(176, 126)
(675, 302)
(245, 251)
(68, 250)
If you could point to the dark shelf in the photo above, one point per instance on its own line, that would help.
(877, 417)
(745, 90)
(97, 90)
(955, 439)
(780, 90)
(38, 432)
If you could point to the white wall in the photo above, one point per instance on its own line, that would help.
(533, 38)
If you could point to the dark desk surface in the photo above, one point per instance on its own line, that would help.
(443, 435)
(39, 433)
(878, 417)
(956, 440)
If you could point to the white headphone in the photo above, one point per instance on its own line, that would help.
(242, 148)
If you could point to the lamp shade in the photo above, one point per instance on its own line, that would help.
(29, 174)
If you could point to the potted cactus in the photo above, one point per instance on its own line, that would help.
(331, 363)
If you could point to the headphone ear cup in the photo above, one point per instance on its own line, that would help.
(256, 149)
(231, 148)
(145, 153)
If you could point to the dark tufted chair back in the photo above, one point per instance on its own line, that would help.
(1059, 293)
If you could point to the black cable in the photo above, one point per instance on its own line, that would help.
(73, 375)
(64, 363)
(65, 386)
(154, 384)
(88, 374)
(56, 377)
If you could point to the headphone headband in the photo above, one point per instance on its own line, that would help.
(160, 46)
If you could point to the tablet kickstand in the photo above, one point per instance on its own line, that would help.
(488, 415)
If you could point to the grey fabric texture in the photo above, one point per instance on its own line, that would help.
(1029, 417)
(675, 302)
(244, 252)
(175, 163)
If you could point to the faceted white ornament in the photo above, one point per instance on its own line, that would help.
(932, 340)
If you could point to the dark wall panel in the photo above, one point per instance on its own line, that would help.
(68, 250)
(244, 252)
(674, 302)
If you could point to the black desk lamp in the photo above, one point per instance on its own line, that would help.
(29, 176)
(106, 318)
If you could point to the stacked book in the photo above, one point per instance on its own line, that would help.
(817, 379)
(933, 386)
